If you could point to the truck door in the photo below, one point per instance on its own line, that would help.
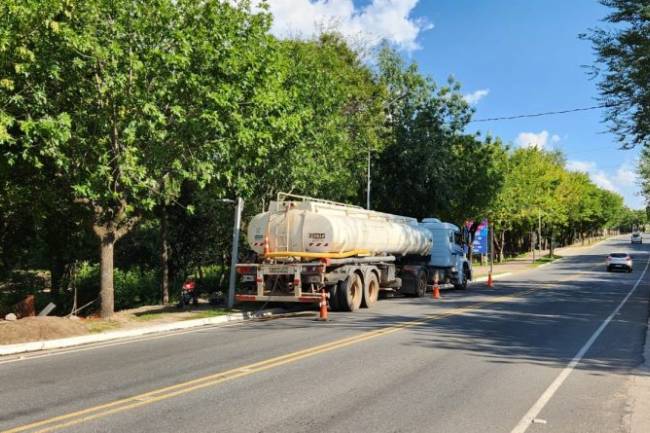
(458, 251)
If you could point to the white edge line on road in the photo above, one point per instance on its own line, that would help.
(485, 278)
(532, 413)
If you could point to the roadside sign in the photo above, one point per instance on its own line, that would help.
(480, 244)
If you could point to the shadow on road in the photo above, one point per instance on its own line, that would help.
(548, 326)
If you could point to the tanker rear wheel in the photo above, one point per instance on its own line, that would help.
(370, 291)
(350, 293)
(334, 292)
(421, 284)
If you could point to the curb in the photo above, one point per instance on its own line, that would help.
(12, 349)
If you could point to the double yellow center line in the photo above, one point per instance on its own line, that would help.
(135, 401)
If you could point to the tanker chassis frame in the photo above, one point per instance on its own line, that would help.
(351, 283)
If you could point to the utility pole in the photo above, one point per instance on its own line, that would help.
(532, 241)
(491, 231)
(368, 184)
(235, 251)
(539, 231)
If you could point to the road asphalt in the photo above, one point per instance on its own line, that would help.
(548, 342)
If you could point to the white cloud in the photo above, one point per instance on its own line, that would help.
(623, 181)
(598, 176)
(583, 166)
(601, 179)
(626, 176)
(531, 139)
(539, 140)
(474, 97)
(370, 24)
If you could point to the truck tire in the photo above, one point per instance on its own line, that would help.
(333, 301)
(350, 293)
(421, 284)
(370, 290)
(462, 285)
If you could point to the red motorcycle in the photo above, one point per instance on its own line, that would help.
(189, 294)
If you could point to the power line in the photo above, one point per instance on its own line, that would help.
(548, 113)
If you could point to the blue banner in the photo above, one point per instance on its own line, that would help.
(480, 244)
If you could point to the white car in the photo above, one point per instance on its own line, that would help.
(619, 261)
(637, 238)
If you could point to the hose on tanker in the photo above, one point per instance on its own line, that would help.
(309, 255)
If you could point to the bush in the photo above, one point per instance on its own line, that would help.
(133, 287)
(214, 278)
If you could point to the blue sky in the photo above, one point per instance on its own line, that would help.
(512, 56)
(528, 55)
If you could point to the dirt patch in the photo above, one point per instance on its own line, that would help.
(39, 328)
(48, 328)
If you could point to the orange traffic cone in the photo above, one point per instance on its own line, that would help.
(436, 289)
(490, 283)
(323, 305)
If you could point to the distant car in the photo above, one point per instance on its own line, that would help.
(637, 238)
(619, 261)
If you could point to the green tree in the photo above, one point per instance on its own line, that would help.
(624, 69)
(527, 195)
(125, 99)
(326, 113)
(475, 176)
(424, 123)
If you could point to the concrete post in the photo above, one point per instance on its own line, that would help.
(235, 252)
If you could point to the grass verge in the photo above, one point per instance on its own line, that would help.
(184, 315)
(546, 259)
(98, 326)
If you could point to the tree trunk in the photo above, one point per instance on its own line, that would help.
(57, 269)
(164, 256)
(222, 273)
(502, 246)
(107, 293)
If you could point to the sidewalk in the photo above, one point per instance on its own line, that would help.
(640, 393)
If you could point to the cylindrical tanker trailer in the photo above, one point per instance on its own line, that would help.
(305, 246)
(328, 228)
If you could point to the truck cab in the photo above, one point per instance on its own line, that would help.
(448, 253)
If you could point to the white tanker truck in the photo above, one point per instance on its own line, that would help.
(306, 245)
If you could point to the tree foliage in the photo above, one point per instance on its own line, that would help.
(623, 51)
(537, 191)
(425, 123)
(126, 100)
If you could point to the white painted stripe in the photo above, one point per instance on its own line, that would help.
(532, 413)
(494, 276)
